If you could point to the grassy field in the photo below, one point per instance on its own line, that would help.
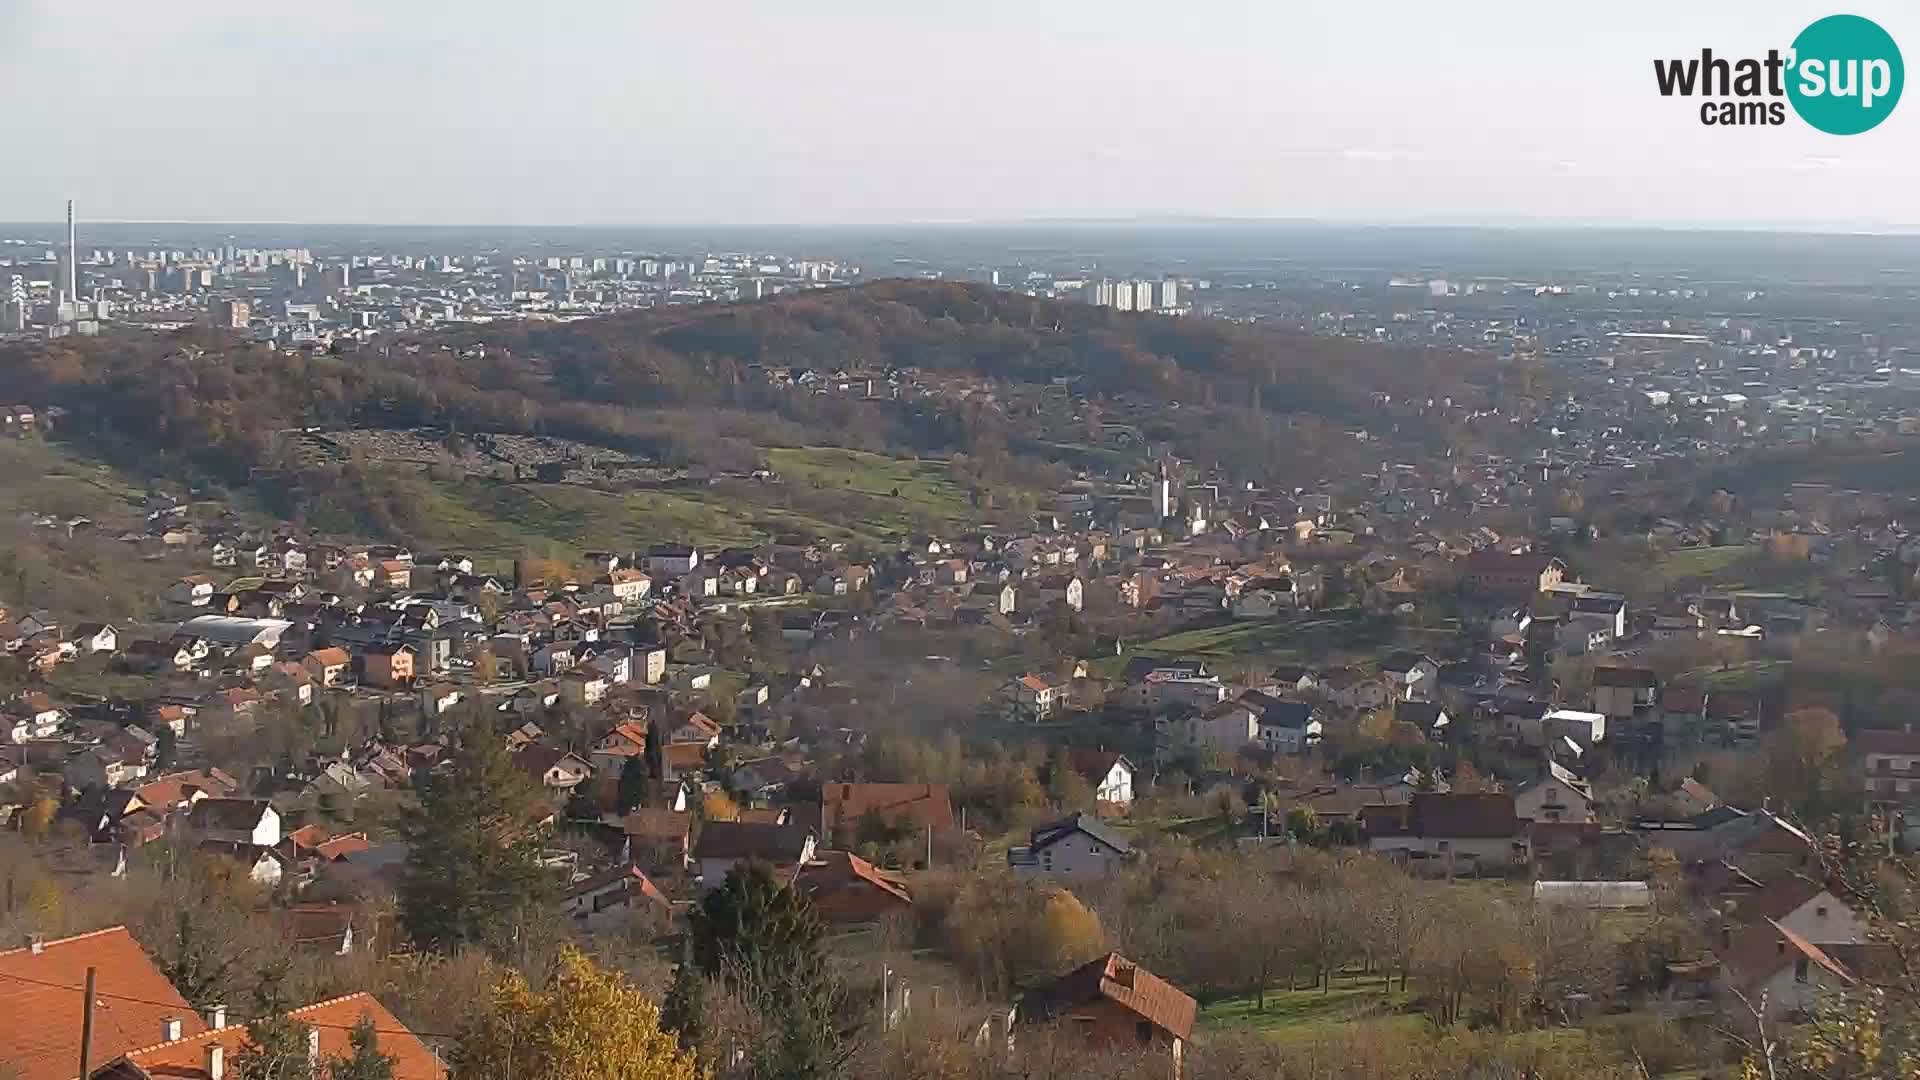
(914, 490)
(888, 498)
(1684, 564)
(1309, 636)
(1352, 1004)
(46, 478)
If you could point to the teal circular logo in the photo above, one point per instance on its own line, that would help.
(1847, 75)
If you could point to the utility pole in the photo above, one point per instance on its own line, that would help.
(86, 1027)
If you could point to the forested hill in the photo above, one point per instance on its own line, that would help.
(680, 384)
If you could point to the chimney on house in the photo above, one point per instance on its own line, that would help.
(215, 1016)
(216, 1061)
(37, 943)
(170, 1029)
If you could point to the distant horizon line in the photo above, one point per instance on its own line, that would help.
(1144, 221)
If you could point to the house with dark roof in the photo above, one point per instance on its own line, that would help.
(1115, 1001)
(726, 844)
(236, 821)
(1480, 829)
(1110, 773)
(1076, 846)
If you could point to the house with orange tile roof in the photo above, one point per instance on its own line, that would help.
(848, 890)
(625, 741)
(910, 807)
(1112, 999)
(209, 1055)
(42, 997)
(1775, 968)
(328, 666)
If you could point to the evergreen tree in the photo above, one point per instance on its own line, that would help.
(636, 783)
(763, 937)
(752, 921)
(366, 1062)
(655, 753)
(684, 1011)
(473, 860)
(277, 1050)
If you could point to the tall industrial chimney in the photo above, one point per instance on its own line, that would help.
(73, 259)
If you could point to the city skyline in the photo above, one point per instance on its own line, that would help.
(859, 115)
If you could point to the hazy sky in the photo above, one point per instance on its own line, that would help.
(843, 111)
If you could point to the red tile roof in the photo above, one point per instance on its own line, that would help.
(1120, 980)
(186, 1059)
(913, 805)
(42, 998)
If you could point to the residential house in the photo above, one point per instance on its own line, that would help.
(583, 687)
(1478, 829)
(1779, 971)
(1113, 1001)
(1064, 589)
(194, 590)
(1411, 675)
(1626, 695)
(387, 666)
(909, 808)
(94, 638)
(1889, 767)
(1077, 846)
(1799, 903)
(221, 820)
(611, 753)
(725, 844)
(328, 666)
(650, 663)
(32, 717)
(202, 1054)
(613, 898)
(558, 771)
(679, 761)
(847, 890)
(695, 728)
(1600, 611)
(1034, 697)
(43, 1011)
(1584, 728)
(1282, 726)
(1224, 727)
(1428, 716)
(324, 927)
(659, 837)
(1351, 688)
(631, 586)
(1110, 774)
(1500, 575)
(672, 560)
(393, 574)
(155, 657)
(1559, 796)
